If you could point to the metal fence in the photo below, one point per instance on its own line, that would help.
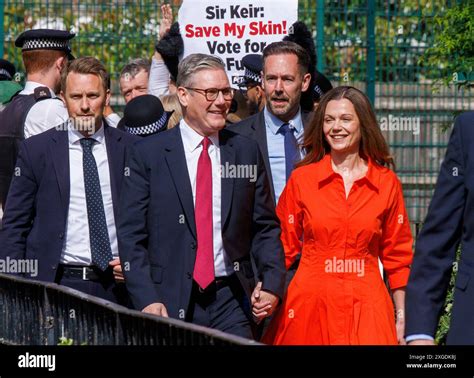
(373, 45)
(39, 313)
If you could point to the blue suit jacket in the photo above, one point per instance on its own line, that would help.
(35, 219)
(450, 220)
(157, 230)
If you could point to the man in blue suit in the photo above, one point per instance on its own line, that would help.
(62, 203)
(449, 222)
(196, 201)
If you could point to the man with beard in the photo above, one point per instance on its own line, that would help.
(280, 124)
(62, 206)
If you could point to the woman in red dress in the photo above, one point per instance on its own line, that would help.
(343, 209)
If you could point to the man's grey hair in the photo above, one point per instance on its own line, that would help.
(133, 67)
(194, 63)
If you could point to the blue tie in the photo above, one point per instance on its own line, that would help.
(291, 148)
(98, 233)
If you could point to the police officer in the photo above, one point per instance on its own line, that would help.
(144, 116)
(36, 108)
(251, 86)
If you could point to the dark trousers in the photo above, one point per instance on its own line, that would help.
(106, 287)
(224, 307)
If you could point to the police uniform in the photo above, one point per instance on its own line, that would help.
(33, 110)
(253, 64)
(144, 116)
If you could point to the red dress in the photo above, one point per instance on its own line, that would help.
(337, 295)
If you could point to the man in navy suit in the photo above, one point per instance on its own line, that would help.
(449, 223)
(196, 201)
(280, 125)
(62, 204)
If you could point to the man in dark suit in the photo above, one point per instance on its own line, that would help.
(195, 203)
(279, 126)
(62, 203)
(449, 222)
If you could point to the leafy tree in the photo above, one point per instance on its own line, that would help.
(452, 50)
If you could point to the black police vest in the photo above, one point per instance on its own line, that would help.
(12, 124)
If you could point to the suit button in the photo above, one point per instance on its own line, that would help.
(61, 235)
(189, 275)
(193, 245)
(53, 267)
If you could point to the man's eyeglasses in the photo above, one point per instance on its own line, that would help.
(211, 94)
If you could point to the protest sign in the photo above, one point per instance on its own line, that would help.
(232, 29)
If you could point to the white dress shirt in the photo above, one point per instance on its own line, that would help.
(44, 114)
(192, 149)
(77, 246)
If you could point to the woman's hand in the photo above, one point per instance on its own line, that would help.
(399, 299)
(400, 326)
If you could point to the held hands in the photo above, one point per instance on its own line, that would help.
(400, 326)
(117, 269)
(264, 303)
(156, 309)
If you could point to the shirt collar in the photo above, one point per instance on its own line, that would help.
(274, 123)
(327, 174)
(192, 139)
(74, 135)
(30, 86)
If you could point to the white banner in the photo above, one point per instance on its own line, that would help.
(232, 29)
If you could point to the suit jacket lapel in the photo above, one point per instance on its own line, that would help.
(59, 155)
(261, 138)
(116, 160)
(227, 184)
(176, 161)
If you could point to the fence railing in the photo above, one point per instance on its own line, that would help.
(39, 313)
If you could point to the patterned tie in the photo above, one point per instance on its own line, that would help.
(291, 148)
(98, 233)
(204, 265)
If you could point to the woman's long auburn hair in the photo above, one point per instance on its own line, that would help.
(372, 143)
